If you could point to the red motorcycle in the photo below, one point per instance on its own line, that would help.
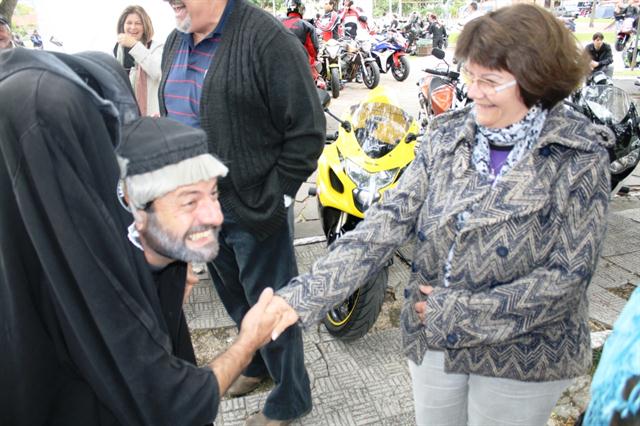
(627, 30)
(440, 91)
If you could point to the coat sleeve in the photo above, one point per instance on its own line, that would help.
(295, 108)
(460, 319)
(358, 255)
(607, 58)
(149, 59)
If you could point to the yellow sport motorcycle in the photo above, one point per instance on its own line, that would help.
(374, 145)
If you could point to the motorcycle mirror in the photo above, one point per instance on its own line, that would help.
(438, 53)
(346, 126)
(324, 97)
(410, 138)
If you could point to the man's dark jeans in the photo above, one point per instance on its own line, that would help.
(242, 269)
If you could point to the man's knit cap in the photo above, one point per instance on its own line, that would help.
(157, 155)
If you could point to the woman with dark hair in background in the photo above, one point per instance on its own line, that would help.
(140, 56)
(506, 201)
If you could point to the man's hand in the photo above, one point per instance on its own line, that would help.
(125, 40)
(421, 307)
(255, 332)
(288, 315)
(258, 324)
(594, 64)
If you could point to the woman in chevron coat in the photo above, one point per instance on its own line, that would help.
(506, 200)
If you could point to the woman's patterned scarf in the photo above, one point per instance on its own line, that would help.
(521, 136)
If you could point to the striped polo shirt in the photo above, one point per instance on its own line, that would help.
(183, 87)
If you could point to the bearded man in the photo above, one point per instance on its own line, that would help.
(84, 337)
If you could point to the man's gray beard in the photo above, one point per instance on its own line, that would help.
(185, 25)
(168, 245)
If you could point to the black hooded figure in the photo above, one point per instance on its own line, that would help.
(83, 336)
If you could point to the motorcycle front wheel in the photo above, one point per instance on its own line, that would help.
(372, 76)
(355, 316)
(335, 83)
(401, 71)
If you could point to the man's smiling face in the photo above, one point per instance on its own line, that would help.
(184, 224)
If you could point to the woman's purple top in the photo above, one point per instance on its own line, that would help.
(499, 155)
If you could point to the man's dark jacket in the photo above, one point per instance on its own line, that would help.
(603, 56)
(305, 32)
(83, 339)
(262, 115)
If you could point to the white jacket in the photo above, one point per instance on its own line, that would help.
(149, 60)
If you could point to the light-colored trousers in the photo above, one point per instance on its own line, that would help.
(443, 399)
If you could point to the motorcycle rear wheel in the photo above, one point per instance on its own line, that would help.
(372, 78)
(400, 72)
(354, 317)
(335, 83)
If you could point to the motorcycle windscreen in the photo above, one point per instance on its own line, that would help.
(379, 127)
(609, 104)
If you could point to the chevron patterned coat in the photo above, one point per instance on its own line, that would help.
(516, 305)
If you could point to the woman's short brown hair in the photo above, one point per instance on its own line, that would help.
(530, 43)
(147, 26)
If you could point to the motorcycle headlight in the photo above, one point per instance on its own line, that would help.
(356, 173)
(371, 181)
(333, 50)
(366, 46)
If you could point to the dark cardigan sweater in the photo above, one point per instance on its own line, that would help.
(261, 113)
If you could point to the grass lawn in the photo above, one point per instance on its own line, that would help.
(583, 37)
(583, 33)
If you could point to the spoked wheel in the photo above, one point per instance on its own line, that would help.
(372, 76)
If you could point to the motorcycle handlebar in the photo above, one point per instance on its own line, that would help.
(449, 74)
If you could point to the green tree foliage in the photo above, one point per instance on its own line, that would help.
(268, 4)
(7, 7)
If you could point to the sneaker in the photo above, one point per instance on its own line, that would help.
(243, 385)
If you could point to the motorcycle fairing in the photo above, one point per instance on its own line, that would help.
(441, 94)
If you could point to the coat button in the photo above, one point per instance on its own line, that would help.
(502, 251)
(421, 236)
(452, 338)
(545, 151)
(414, 267)
(407, 292)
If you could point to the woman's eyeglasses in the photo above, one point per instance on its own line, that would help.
(487, 87)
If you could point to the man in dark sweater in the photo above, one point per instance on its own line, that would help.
(601, 55)
(235, 71)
